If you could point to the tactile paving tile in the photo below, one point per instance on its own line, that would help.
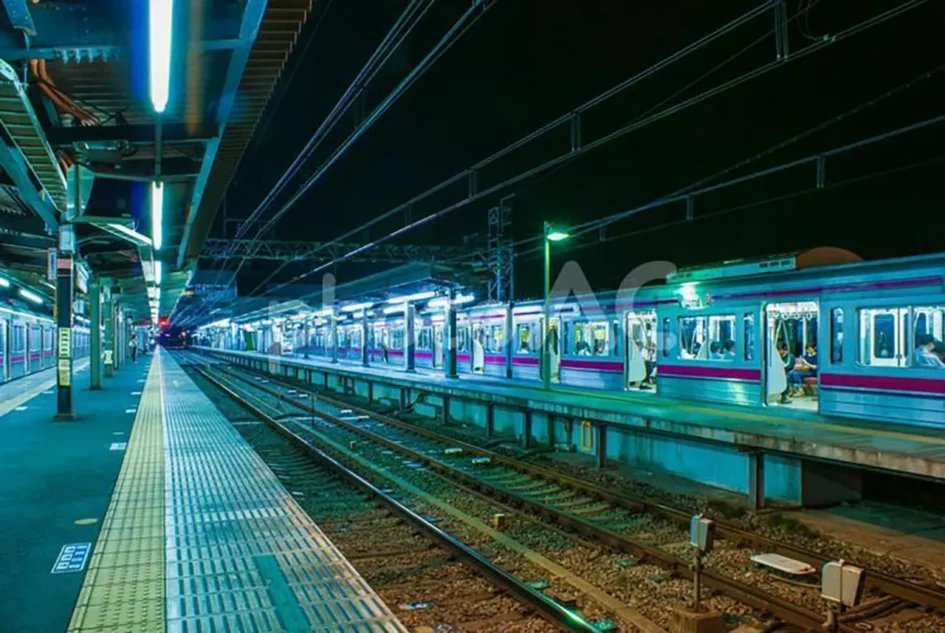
(124, 586)
(240, 554)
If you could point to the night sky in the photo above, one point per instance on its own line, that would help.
(527, 62)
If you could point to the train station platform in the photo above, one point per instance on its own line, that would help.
(800, 457)
(55, 480)
(199, 535)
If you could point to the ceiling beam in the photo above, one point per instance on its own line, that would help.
(138, 134)
(20, 17)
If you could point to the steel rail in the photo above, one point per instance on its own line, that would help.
(548, 608)
(914, 593)
(752, 596)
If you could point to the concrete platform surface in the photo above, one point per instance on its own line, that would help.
(55, 481)
(200, 535)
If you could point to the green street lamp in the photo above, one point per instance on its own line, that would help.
(550, 235)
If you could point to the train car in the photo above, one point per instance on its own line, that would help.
(28, 342)
(819, 331)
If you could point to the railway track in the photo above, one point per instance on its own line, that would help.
(432, 578)
(648, 530)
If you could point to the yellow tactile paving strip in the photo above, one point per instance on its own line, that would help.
(124, 586)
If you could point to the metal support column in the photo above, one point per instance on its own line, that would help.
(119, 337)
(305, 339)
(600, 446)
(333, 335)
(509, 341)
(450, 333)
(365, 351)
(756, 481)
(64, 289)
(410, 339)
(108, 314)
(95, 334)
(527, 430)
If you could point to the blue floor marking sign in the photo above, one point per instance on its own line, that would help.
(72, 558)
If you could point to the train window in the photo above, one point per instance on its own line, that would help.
(496, 340)
(397, 339)
(928, 323)
(748, 321)
(882, 337)
(527, 336)
(462, 334)
(836, 336)
(707, 337)
(591, 339)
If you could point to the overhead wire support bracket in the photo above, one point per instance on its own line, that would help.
(781, 37)
(473, 183)
(690, 207)
(821, 171)
(575, 131)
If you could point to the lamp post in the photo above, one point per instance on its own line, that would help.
(549, 236)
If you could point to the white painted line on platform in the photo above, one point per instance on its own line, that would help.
(48, 393)
(21, 408)
(136, 393)
(118, 446)
(142, 380)
(131, 410)
(118, 432)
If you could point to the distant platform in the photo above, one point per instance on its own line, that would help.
(200, 535)
(647, 428)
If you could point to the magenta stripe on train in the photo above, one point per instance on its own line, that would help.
(693, 371)
(595, 365)
(884, 383)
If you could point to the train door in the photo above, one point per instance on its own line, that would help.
(478, 351)
(641, 350)
(791, 367)
(437, 345)
(552, 347)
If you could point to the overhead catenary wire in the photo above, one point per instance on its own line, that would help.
(454, 34)
(755, 203)
(409, 18)
(561, 120)
(728, 85)
(402, 28)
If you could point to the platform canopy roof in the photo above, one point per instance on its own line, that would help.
(78, 122)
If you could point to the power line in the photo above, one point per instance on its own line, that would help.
(567, 157)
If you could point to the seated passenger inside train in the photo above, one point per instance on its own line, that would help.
(728, 350)
(806, 367)
(581, 348)
(924, 355)
(715, 350)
